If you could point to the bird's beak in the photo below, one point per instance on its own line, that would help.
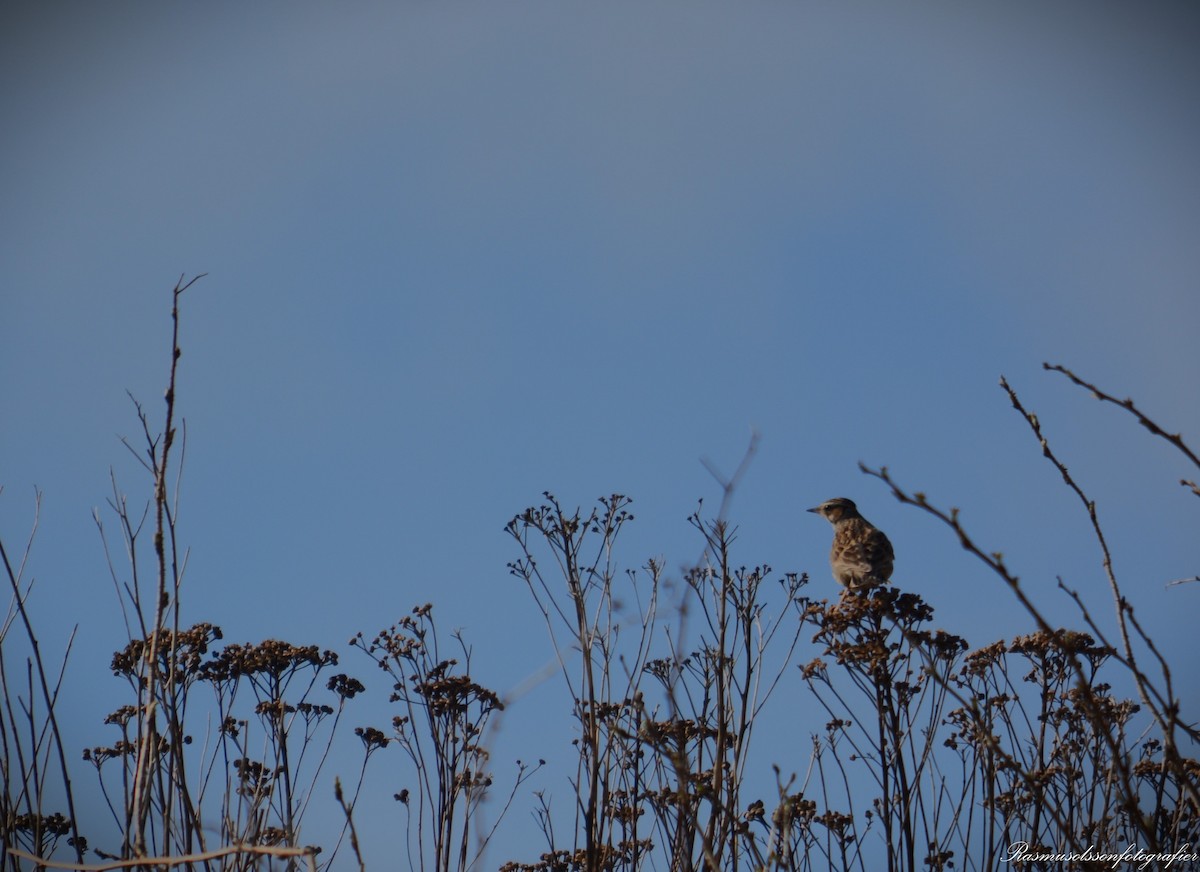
(813, 509)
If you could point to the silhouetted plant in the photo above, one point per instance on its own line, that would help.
(932, 755)
(445, 716)
(881, 648)
(581, 614)
(249, 783)
(31, 743)
(676, 751)
(1077, 779)
(713, 694)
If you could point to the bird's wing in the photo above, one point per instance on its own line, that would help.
(867, 554)
(878, 549)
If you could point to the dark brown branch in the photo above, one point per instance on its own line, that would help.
(1175, 439)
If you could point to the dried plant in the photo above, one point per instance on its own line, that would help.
(31, 744)
(582, 617)
(661, 766)
(704, 733)
(1062, 771)
(445, 717)
(881, 680)
(248, 782)
(933, 755)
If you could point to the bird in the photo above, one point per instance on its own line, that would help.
(861, 556)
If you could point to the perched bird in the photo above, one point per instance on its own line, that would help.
(861, 556)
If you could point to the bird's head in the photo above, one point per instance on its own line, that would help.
(836, 509)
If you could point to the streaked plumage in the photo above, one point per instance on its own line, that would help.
(861, 556)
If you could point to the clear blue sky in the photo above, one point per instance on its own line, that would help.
(462, 253)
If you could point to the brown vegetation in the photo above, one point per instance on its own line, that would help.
(932, 755)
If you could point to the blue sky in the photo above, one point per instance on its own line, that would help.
(459, 254)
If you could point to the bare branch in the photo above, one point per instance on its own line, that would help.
(1175, 439)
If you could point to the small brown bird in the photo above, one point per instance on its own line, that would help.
(861, 556)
